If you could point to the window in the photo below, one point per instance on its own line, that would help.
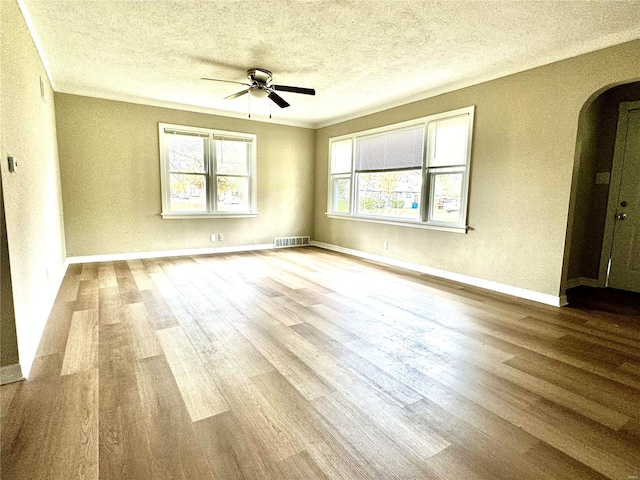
(414, 173)
(207, 173)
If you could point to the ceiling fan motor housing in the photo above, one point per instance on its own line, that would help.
(259, 75)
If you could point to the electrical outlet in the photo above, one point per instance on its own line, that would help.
(214, 237)
(13, 164)
(385, 245)
(220, 237)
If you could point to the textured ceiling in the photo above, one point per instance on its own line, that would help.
(360, 56)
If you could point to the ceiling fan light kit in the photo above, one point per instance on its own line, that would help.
(260, 86)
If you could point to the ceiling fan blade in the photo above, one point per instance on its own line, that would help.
(236, 95)
(277, 99)
(286, 88)
(226, 81)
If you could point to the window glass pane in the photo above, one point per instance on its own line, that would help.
(391, 151)
(186, 153)
(447, 195)
(448, 141)
(341, 191)
(341, 156)
(390, 194)
(233, 194)
(188, 193)
(232, 157)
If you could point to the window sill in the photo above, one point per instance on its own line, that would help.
(191, 216)
(425, 226)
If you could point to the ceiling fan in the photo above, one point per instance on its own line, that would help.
(260, 85)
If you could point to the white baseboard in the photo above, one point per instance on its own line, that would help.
(556, 301)
(583, 282)
(10, 374)
(113, 257)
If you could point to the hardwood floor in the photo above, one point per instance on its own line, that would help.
(307, 364)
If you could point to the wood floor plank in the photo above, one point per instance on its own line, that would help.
(32, 414)
(81, 352)
(231, 453)
(199, 392)
(52, 428)
(617, 396)
(285, 312)
(69, 288)
(394, 388)
(88, 295)
(591, 409)
(79, 427)
(298, 373)
(594, 446)
(140, 275)
(175, 450)
(252, 409)
(160, 314)
(54, 338)
(205, 319)
(301, 467)
(525, 345)
(145, 342)
(306, 363)
(328, 448)
(129, 292)
(122, 269)
(107, 275)
(474, 453)
(630, 367)
(340, 459)
(109, 297)
(380, 450)
(109, 315)
(501, 430)
(371, 399)
(124, 446)
(557, 465)
(244, 353)
(89, 271)
(7, 393)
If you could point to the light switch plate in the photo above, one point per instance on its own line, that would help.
(13, 164)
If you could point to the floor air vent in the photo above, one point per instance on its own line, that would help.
(284, 242)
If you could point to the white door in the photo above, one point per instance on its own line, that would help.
(625, 251)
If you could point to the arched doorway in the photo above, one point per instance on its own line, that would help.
(596, 184)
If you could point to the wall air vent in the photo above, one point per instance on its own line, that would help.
(285, 242)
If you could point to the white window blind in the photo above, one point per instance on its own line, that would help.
(396, 150)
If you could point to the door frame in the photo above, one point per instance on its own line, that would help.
(614, 188)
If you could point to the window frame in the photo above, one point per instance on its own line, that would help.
(429, 173)
(211, 171)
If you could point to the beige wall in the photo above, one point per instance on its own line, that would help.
(110, 171)
(521, 175)
(32, 197)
